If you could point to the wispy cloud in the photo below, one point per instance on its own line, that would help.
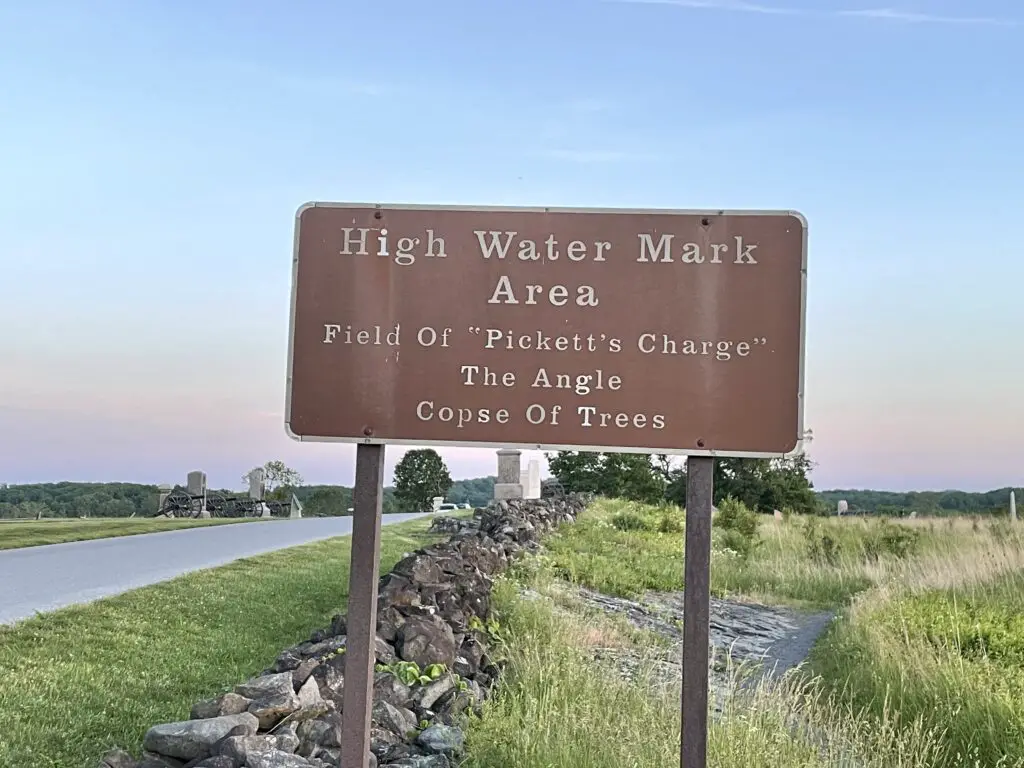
(910, 17)
(874, 14)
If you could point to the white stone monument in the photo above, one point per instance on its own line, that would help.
(256, 483)
(529, 478)
(1013, 507)
(842, 507)
(296, 508)
(509, 485)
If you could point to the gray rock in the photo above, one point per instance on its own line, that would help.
(228, 704)
(118, 758)
(330, 681)
(309, 697)
(159, 761)
(266, 686)
(217, 761)
(441, 739)
(194, 738)
(239, 747)
(302, 672)
(422, 761)
(431, 693)
(398, 720)
(287, 737)
(383, 651)
(275, 758)
(426, 641)
(323, 731)
(273, 698)
(387, 687)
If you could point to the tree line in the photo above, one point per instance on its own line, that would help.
(762, 484)
(937, 503)
(418, 479)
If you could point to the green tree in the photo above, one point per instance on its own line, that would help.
(278, 480)
(761, 484)
(329, 501)
(419, 477)
(577, 471)
(633, 476)
(476, 491)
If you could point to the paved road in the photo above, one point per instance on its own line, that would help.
(53, 576)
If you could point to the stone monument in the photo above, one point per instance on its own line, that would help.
(165, 490)
(1013, 507)
(842, 507)
(509, 485)
(295, 511)
(196, 483)
(256, 484)
(196, 486)
(529, 478)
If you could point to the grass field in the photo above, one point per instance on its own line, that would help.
(925, 669)
(79, 681)
(34, 533)
(560, 708)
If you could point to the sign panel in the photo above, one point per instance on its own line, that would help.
(654, 331)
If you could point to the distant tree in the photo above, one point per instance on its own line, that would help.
(633, 476)
(476, 491)
(33, 510)
(577, 471)
(419, 477)
(761, 484)
(328, 502)
(278, 479)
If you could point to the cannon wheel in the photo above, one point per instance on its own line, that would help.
(233, 508)
(216, 504)
(177, 504)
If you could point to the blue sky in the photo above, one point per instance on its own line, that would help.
(153, 155)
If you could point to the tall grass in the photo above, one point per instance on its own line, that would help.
(930, 648)
(625, 548)
(943, 640)
(558, 707)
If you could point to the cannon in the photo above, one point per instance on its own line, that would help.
(181, 504)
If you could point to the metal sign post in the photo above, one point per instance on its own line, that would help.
(364, 570)
(693, 752)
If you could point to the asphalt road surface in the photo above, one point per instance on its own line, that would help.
(56, 575)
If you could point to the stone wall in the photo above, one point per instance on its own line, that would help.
(432, 655)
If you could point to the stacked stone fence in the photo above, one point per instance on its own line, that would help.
(433, 663)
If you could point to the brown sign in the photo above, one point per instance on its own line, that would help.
(560, 329)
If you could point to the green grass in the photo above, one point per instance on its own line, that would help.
(558, 707)
(623, 549)
(930, 646)
(85, 679)
(34, 533)
(953, 657)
